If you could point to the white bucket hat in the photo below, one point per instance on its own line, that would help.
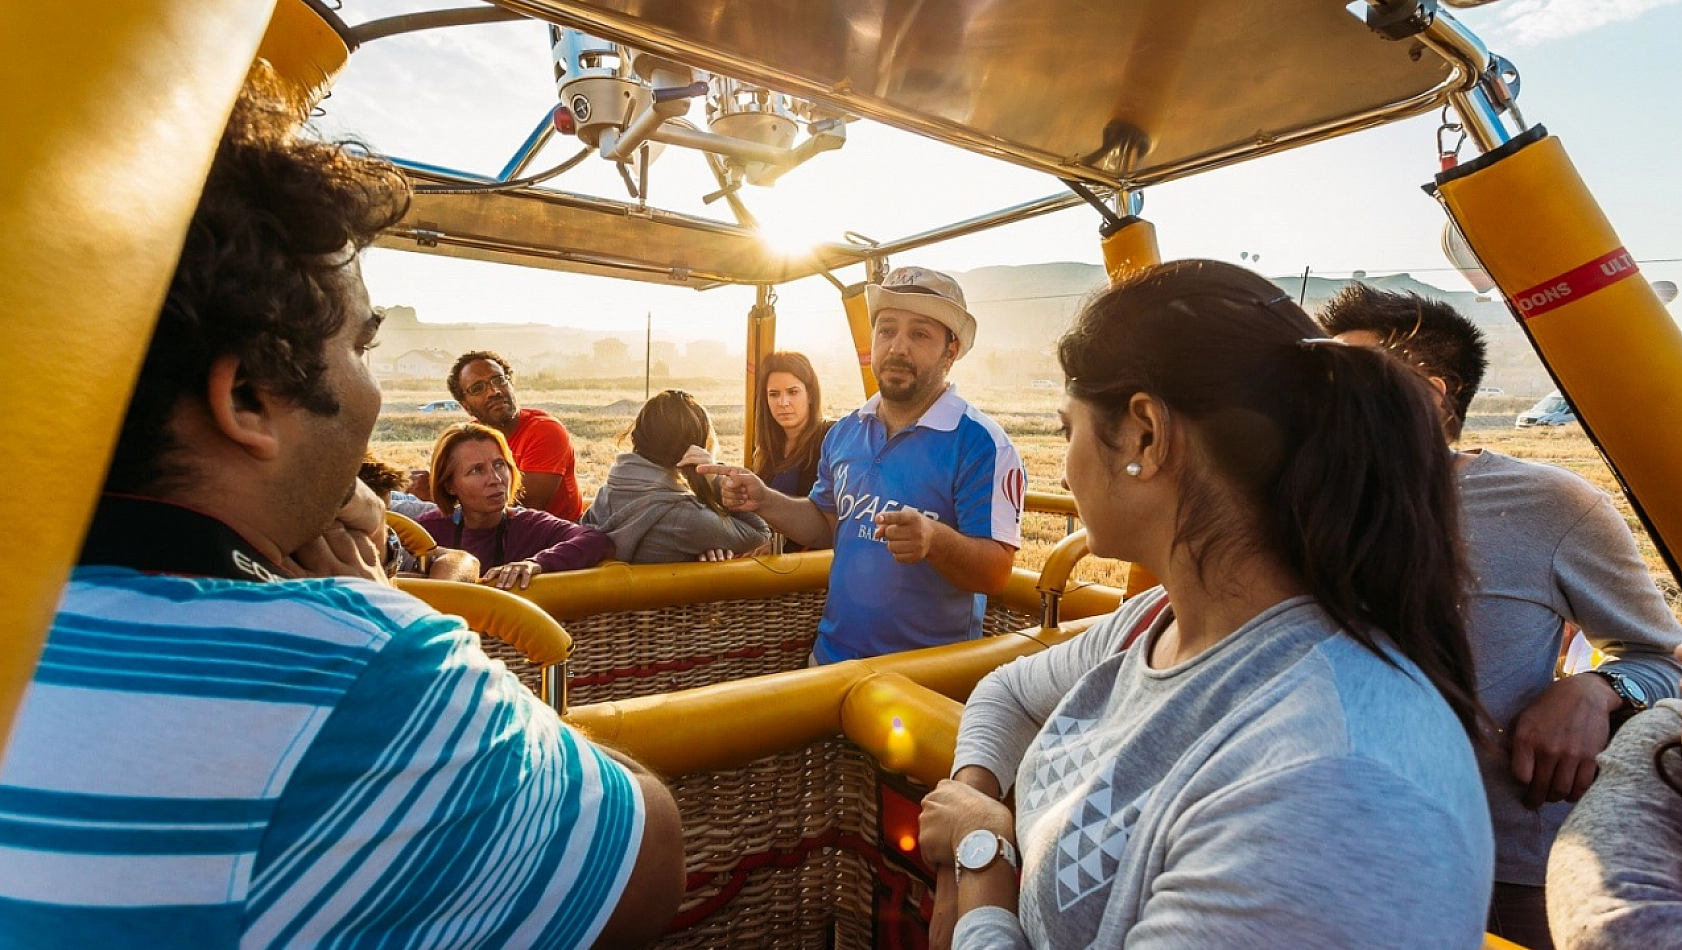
(925, 292)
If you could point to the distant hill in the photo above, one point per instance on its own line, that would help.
(1022, 309)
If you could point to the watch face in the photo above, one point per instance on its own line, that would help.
(1637, 695)
(977, 850)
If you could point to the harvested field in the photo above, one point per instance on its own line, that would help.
(598, 414)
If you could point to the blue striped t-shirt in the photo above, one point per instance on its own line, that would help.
(219, 763)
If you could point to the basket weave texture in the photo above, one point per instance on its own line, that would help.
(782, 853)
(772, 852)
(642, 652)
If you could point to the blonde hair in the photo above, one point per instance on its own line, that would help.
(444, 466)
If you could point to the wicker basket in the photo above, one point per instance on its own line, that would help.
(636, 653)
(641, 652)
(787, 853)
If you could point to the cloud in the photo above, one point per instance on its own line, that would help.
(1519, 23)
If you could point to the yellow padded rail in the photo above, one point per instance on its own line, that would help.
(728, 725)
(1050, 503)
(615, 586)
(111, 118)
(415, 538)
(496, 613)
(878, 712)
(1595, 321)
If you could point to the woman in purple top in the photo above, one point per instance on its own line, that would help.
(474, 482)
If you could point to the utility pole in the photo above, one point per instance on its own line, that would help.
(647, 351)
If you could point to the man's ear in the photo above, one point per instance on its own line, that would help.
(240, 411)
(1445, 404)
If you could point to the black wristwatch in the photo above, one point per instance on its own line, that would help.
(1628, 690)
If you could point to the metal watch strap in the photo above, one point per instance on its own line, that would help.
(1633, 702)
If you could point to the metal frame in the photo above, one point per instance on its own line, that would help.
(1454, 43)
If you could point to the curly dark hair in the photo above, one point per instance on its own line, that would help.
(473, 356)
(381, 476)
(1426, 334)
(279, 219)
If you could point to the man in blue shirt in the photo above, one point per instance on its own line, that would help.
(919, 492)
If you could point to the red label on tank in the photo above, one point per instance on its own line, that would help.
(1574, 285)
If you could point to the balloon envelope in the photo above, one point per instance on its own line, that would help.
(1460, 254)
(1666, 289)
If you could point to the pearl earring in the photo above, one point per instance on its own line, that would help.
(1133, 469)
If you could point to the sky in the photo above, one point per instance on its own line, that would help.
(1601, 75)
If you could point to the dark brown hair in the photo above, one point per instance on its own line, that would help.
(279, 219)
(1327, 457)
(773, 450)
(666, 426)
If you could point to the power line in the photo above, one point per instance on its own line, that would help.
(1388, 271)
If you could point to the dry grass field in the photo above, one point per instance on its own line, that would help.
(597, 416)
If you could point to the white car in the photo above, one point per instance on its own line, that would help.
(1553, 410)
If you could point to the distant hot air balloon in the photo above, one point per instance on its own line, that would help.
(1666, 289)
(1460, 254)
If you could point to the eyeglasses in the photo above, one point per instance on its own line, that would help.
(504, 382)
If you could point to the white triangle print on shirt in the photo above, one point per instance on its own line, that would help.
(1093, 841)
(1064, 761)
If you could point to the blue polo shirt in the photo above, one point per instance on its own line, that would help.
(954, 465)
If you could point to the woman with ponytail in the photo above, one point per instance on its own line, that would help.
(1283, 755)
(655, 507)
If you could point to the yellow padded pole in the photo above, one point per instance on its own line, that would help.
(762, 342)
(111, 122)
(303, 48)
(1128, 249)
(1593, 319)
(727, 725)
(858, 321)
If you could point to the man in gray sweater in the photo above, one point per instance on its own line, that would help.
(1545, 547)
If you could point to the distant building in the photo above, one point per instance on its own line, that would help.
(611, 350)
(422, 364)
(707, 353)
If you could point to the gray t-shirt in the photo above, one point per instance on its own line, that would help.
(1615, 874)
(1286, 786)
(1545, 546)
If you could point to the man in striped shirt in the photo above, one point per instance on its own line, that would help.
(238, 734)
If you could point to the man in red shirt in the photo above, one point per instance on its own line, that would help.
(483, 383)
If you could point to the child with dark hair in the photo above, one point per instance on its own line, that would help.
(655, 506)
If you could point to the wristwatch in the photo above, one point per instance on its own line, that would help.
(979, 849)
(1628, 690)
